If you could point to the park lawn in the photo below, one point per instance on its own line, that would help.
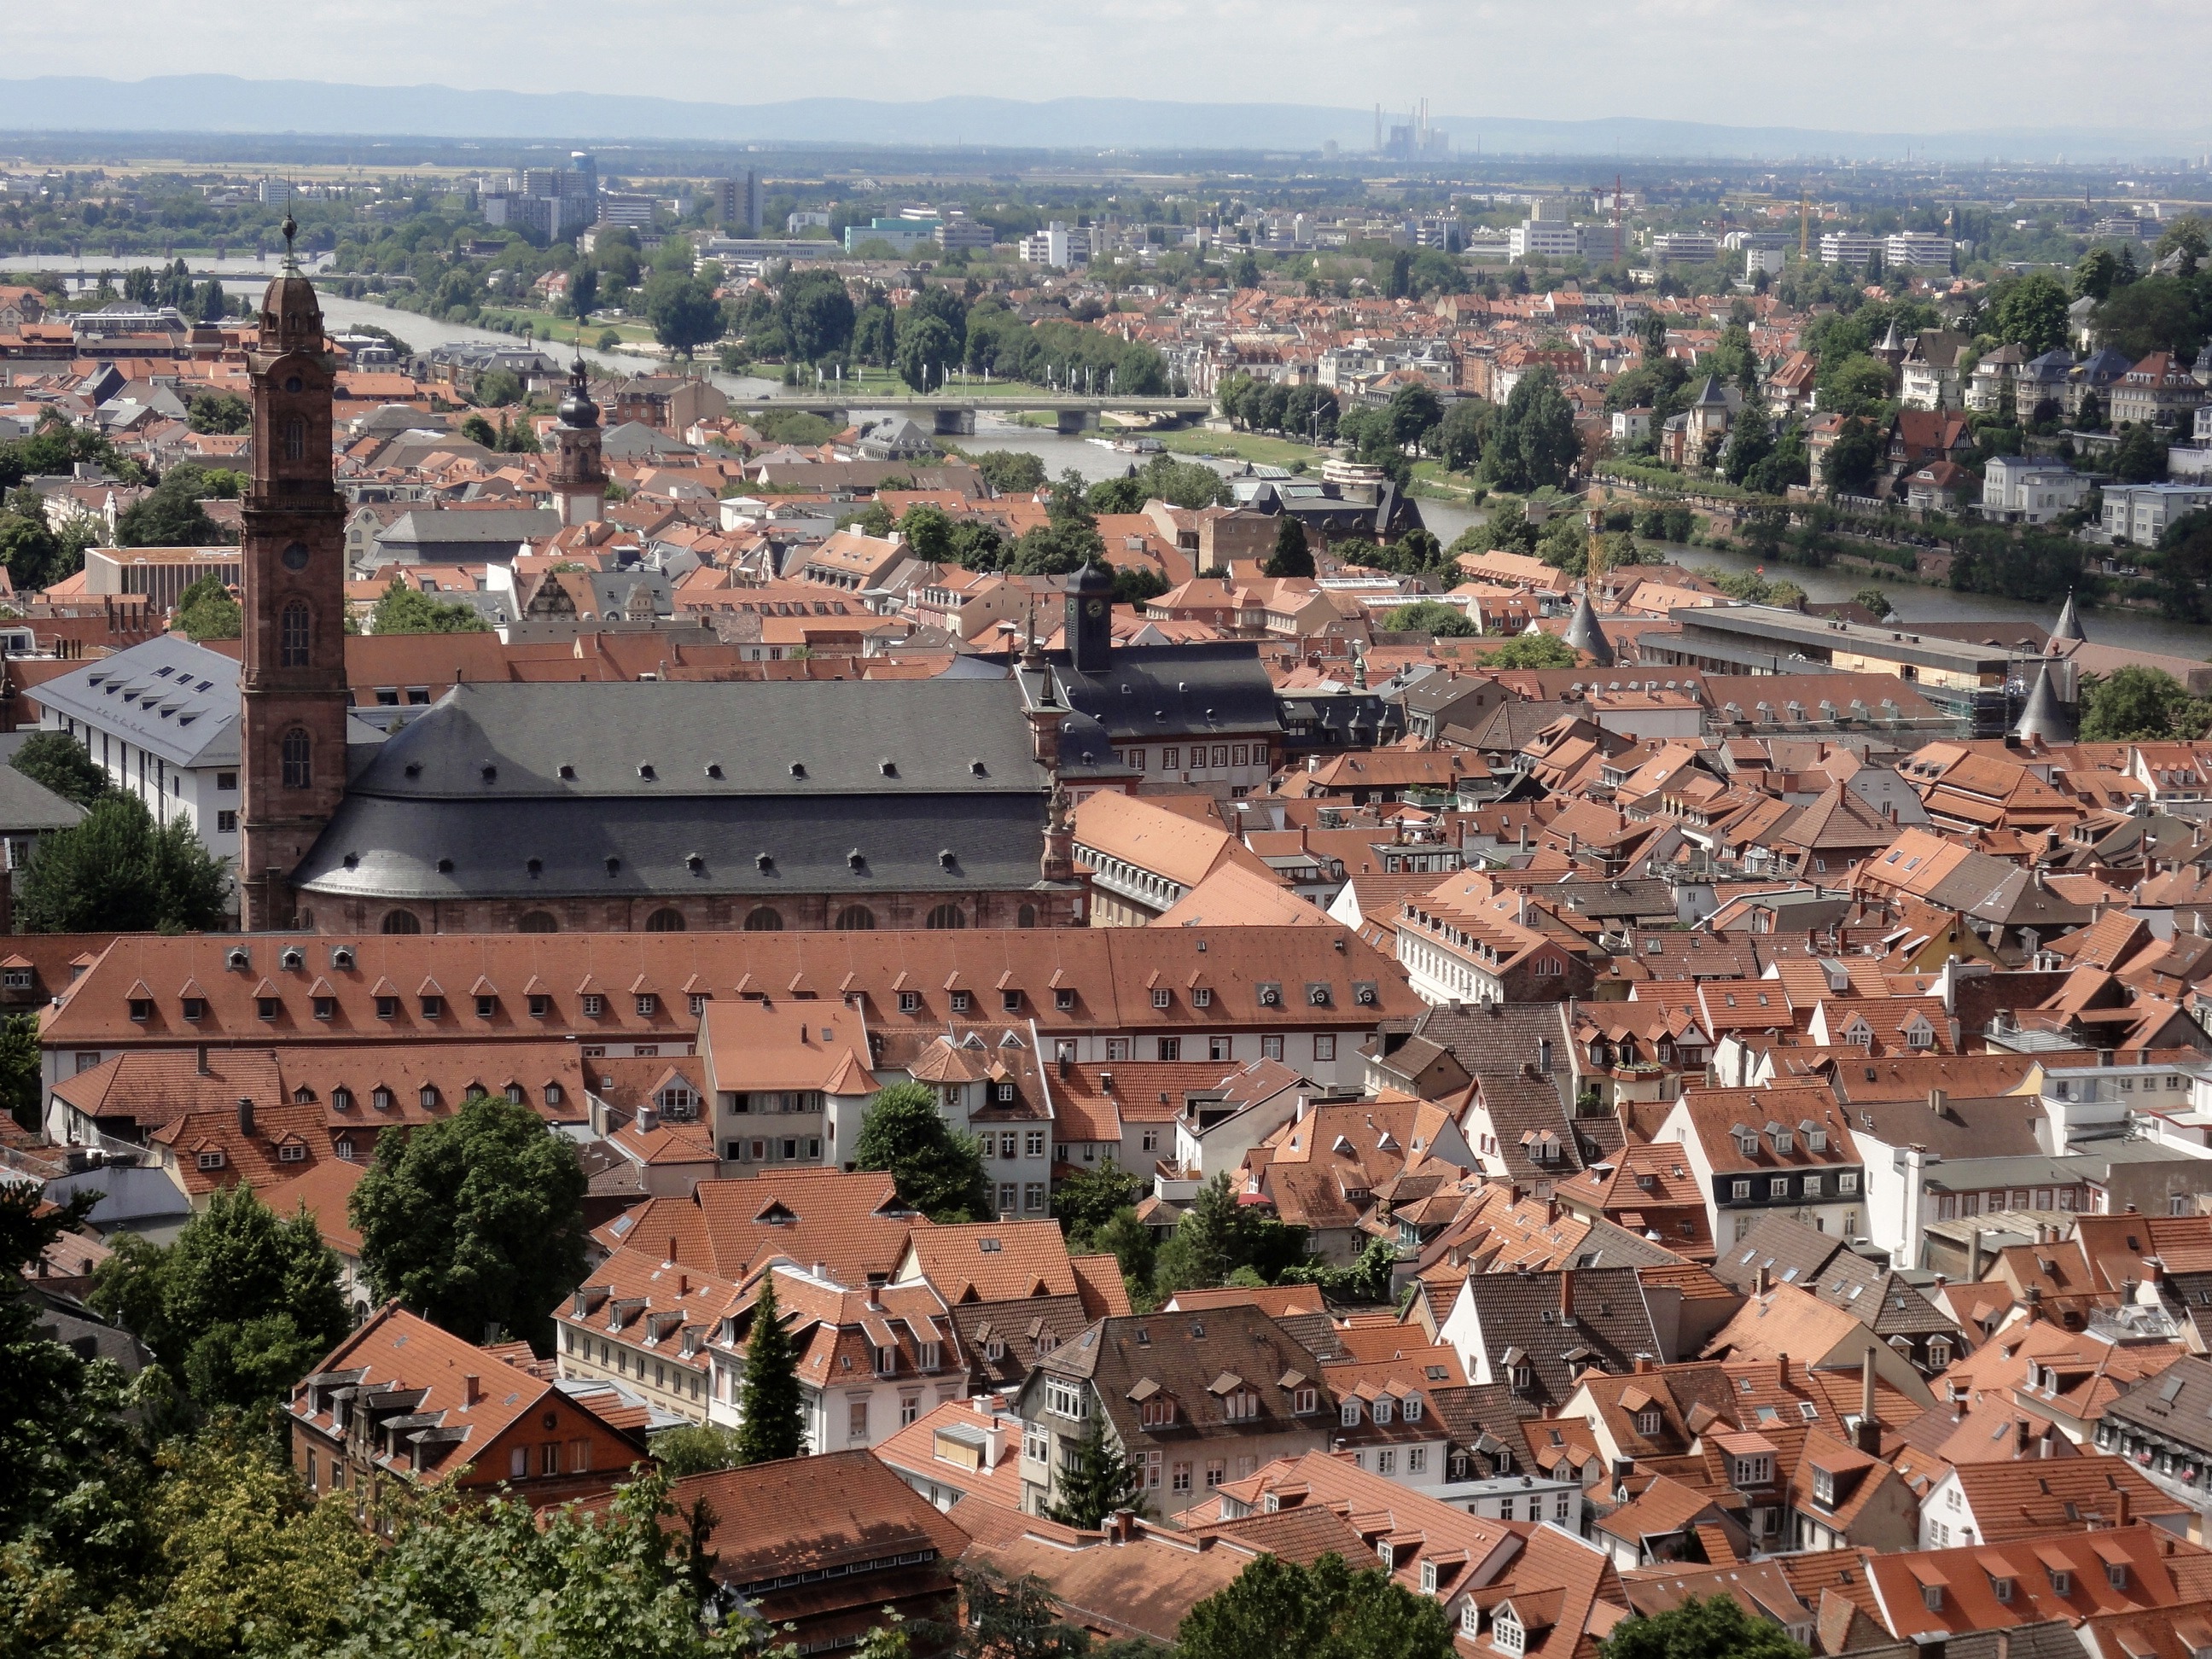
(1245, 446)
(564, 328)
(1436, 475)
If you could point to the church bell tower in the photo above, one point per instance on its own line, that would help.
(292, 724)
(579, 478)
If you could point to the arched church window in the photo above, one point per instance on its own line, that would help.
(665, 920)
(293, 627)
(401, 922)
(537, 921)
(947, 916)
(296, 753)
(765, 919)
(856, 919)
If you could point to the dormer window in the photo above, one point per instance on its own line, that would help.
(1350, 1414)
(1410, 1408)
(1382, 1408)
(1754, 1471)
(1428, 1578)
(1648, 1422)
(1157, 1413)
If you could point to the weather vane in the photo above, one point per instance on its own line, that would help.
(291, 228)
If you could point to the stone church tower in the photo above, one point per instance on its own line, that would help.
(579, 480)
(292, 735)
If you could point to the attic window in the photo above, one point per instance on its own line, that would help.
(1063, 998)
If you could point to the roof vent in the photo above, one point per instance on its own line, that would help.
(765, 861)
(693, 862)
(798, 769)
(490, 773)
(714, 769)
(342, 957)
(855, 858)
(613, 865)
(536, 867)
(888, 767)
(445, 866)
(567, 773)
(945, 857)
(976, 766)
(292, 957)
(1183, 686)
(413, 768)
(352, 860)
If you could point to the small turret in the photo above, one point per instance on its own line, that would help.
(1584, 634)
(2044, 716)
(2070, 623)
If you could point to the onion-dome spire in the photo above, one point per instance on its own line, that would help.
(1584, 633)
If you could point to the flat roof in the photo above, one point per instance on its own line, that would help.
(1828, 635)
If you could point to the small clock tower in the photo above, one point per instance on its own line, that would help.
(292, 722)
(580, 477)
(1090, 624)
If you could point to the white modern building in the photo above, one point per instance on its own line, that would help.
(2140, 512)
(1058, 245)
(2016, 489)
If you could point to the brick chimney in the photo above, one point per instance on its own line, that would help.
(1868, 1436)
(1566, 1284)
(1761, 1284)
(1782, 1371)
(244, 1115)
(471, 1389)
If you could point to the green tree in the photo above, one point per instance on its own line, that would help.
(476, 1221)
(1430, 616)
(1217, 1235)
(2031, 314)
(1010, 471)
(218, 412)
(770, 1412)
(170, 514)
(2158, 313)
(2096, 275)
(404, 609)
(208, 610)
(21, 1093)
(1715, 1627)
(936, 1169)
(1853, 457)
(58, 762)
(1876, 602)
(697, 1448)
(1292, 556)
(683, 311)
(2183, 566)
(1130, 1242)
(2139, 705)
(620, 1580)
(816, 314)
(1100, 1481)
(119, 871)
(1531, 651)
(241, 1306)
(583, 291)
(1533, 441)
(926, 348)
(32, 553)
(478, 430)
(1413, 412)
(1463, 431)
(1091, 1197)
(1016, 1619)
(1275, 1607)
(1749, 443)
(1367, 1280)
(2141, 458)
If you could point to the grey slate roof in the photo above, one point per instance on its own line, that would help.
(1151, 693)
(167, 695)
(467, 534)
(28, 806)
(425, 796)
(1521, 1311)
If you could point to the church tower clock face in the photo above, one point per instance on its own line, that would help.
(1096, 607)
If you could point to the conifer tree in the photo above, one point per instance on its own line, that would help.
(768, 1425)
(1102, 1481)
(1292, 557)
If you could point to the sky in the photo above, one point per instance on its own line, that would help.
(1903, 65)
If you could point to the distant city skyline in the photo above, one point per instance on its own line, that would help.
(1881, 66)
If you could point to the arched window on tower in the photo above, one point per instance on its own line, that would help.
(296, 752)
(295, 438)
(294, 628)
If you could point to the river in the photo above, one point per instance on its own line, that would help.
(2130, 628)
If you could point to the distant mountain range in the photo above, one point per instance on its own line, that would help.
(228, 104)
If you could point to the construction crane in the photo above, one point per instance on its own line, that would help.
(1804, 224)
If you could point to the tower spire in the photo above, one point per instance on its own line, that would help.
(1585, 635)
(2070, 623)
